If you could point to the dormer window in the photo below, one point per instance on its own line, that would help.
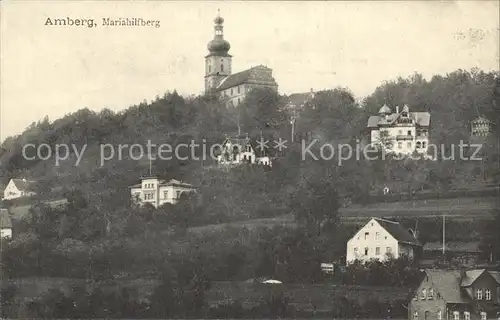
(467, 315)
(456, 315)
(404, 114)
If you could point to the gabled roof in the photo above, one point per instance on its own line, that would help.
(481, 119)
(472, 275)
(421, 118)
(5, 220)
(496, 275)
(398, 231)
(24, 185)
(257, 74)
(447, 284)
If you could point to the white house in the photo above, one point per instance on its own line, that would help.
(380, 238)
(401, 132)
(157, 192)
(5, 224)
(235, 151)
(17, 188)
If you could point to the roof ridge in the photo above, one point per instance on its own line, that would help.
(382, 219)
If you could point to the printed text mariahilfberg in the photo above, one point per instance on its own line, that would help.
(106, 22)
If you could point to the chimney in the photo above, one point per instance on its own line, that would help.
(397, 109)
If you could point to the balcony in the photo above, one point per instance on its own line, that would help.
(404, 137)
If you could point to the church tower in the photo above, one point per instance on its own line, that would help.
(218, 61)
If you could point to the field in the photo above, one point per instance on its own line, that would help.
(455, 209)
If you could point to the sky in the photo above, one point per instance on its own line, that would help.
(55, 70)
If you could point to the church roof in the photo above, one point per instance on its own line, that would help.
(259, 75)
(421, 118)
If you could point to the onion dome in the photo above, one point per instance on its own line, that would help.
(218, 46)
(385, 110)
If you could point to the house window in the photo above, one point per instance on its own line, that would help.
(165, 194)
(483, 315)
(222, 67)
(467, 315)
(377, 251)
(419, 145)
(456, 315)
(238, 89)
(409, 132)
(408, 145)
(423, 144)
(487, 295)
(388, 250)
(209, 69)
(431, 294)
(366, 235)
(423, 296)
(178, 193)
(355, 252)
(426, 315)
(400, 132)
(366, 251)
(377, 235)
(231, 91)
(415, 315)
(400, 145)
(439, 315)
(479, 294)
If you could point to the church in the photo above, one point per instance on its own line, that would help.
(231, 88)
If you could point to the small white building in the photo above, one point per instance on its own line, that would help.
(157, 192)
(379, 239)
(5, 224)
(18, 188)
(401, 132)
(235, 151)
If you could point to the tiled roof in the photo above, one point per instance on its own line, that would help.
(398, 231)
(256, 74)
(23, 185)
(471, 276)
(421, 118)
(447, 284)
(496, 275)
(453, 246)
(5, 220)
